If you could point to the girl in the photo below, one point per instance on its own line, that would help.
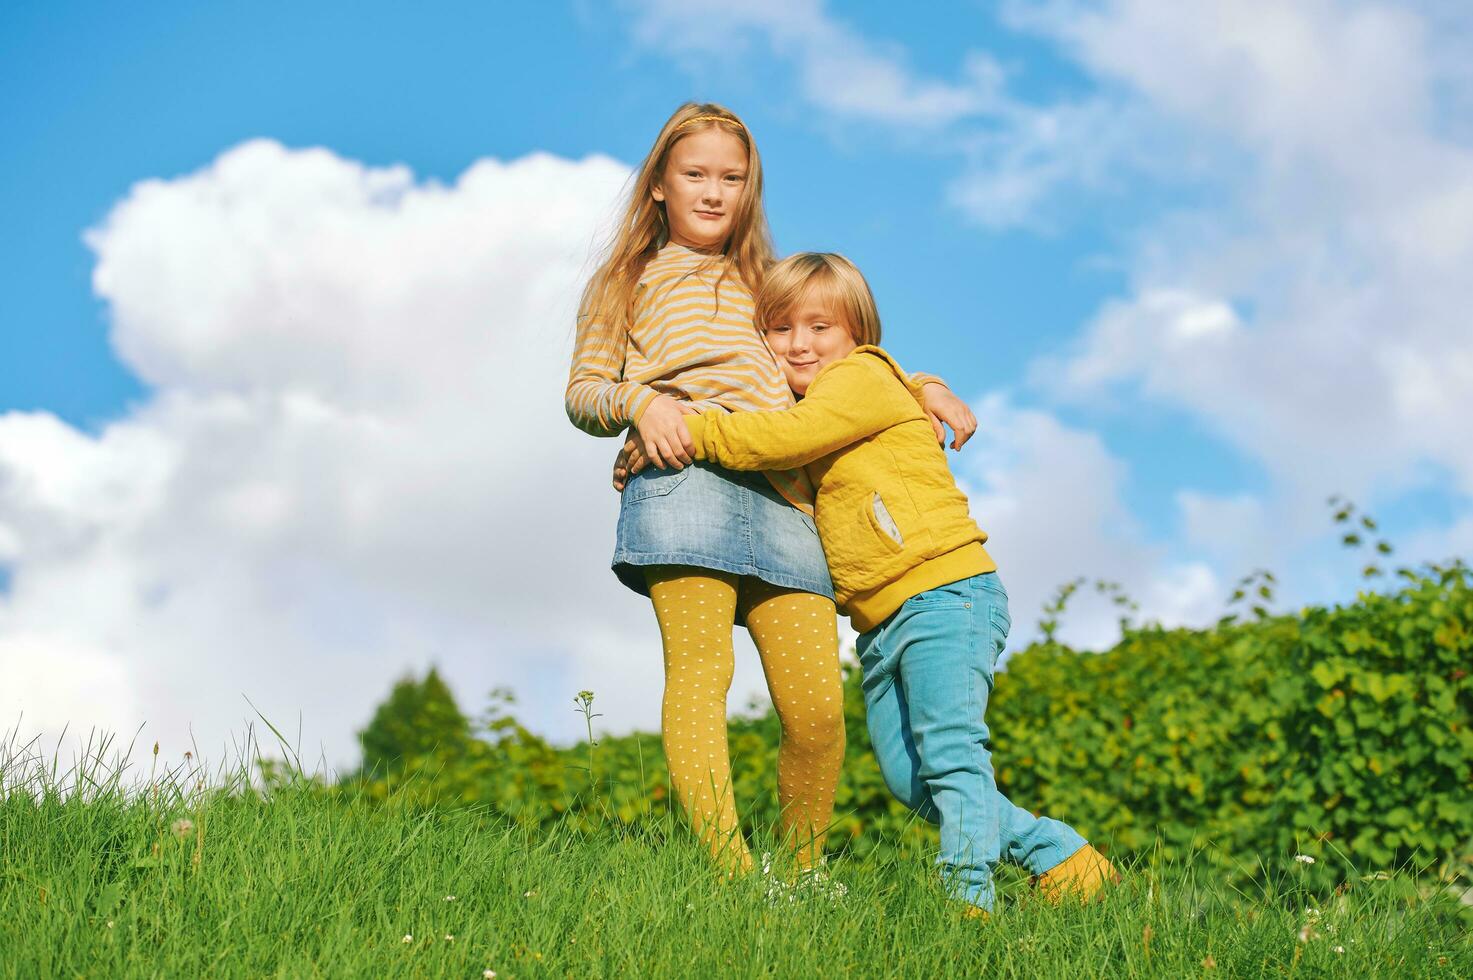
(665, 328)
(909, 569)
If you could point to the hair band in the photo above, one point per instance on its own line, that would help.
(709, 118)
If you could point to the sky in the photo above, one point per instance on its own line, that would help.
(287, 307)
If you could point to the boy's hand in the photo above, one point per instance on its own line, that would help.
(942, 406)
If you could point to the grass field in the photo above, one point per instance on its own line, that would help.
(183, 876)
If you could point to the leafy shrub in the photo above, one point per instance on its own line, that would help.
(1342, 730)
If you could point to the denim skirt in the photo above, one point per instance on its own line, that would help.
(707, 516)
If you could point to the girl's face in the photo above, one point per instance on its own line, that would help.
(705, 176)
(812, 334)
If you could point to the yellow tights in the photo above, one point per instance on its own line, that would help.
(798, 642)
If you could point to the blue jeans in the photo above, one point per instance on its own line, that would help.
(927, 677)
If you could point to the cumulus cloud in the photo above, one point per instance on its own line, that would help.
(353, 461)
(1315, 314)
(1050, 496)
(1313, 301)
(1015, 156)
(839, 69)
(1234, 529)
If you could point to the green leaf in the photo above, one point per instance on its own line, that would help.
(1326, 674)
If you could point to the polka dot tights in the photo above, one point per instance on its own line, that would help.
(797, 639)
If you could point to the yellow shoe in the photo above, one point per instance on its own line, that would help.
(1081, 876)
(973, 912)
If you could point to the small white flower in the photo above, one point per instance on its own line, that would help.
(182, 827)
(109, 923)
(489, 974)
(529, 894)
(449, 938)
(449, 898)
(1339, 949)
(1312, 913)
(1307, 932)
(407, 938)
(1304, 859)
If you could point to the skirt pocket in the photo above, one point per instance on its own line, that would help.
(654, 483)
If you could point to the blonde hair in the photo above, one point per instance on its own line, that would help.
(608, 300)
(834, 277)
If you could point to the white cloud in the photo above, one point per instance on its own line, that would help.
(1015, 156)
(1313, 310)
(1234, 529)
(1309, 306)
(839, 69)
(1314, 303)
(1050, 497)
(354, 460)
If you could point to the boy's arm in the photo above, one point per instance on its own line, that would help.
(852, 402)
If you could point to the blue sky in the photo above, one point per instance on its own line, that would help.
(102, 98)
(1148, 240)
(98, 97)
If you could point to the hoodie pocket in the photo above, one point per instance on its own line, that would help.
(882, 523)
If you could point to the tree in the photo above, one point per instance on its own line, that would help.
(419, 718)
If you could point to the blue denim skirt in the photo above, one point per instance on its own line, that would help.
(707, 516)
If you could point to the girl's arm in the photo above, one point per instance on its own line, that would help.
(941, 406)
(855, 400)
(598, 400)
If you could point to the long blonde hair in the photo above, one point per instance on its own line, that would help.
(608, 299)
(836, 280)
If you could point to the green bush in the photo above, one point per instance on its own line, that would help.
(1342, 733)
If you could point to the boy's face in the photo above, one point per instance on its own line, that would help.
(701, 187)
(811, 335)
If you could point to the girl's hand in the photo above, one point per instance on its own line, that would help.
(631, 460)
(942, 406)
(621, 462)
(662, 435)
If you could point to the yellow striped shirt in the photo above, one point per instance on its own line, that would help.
(687, 340)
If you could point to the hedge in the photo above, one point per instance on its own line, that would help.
(1342, 733)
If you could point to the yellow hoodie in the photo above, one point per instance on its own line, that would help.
(892, 521)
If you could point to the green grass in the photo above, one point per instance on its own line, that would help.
(302, 882)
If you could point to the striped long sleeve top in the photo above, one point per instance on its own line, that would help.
(687, 340)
